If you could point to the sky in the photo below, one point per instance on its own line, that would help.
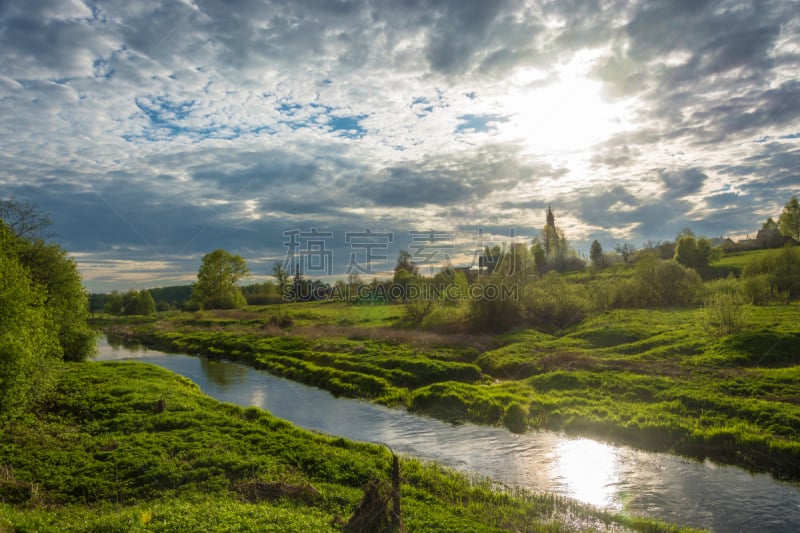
(339, 132)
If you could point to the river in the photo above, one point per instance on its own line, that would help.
(619, 478)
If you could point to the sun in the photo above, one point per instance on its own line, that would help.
(566, 116)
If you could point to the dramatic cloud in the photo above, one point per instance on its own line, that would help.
(155, 132)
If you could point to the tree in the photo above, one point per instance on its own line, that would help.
(134, 303)
(539, 256)
(54, 273)
(404, 262)
(596, 254)
(24, 220)
(626, 251)
(789, 220)
(686, 251)
(68, 304)
(29, 344)
(770, 224)
(216, 281)
(695, 252)
(282, 278)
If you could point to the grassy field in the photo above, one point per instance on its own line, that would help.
(124, 446)
(655, 379)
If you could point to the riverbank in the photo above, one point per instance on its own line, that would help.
(125, 446)
(651, 379)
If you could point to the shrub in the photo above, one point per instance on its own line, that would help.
(553, 302)
(759, 290)
(515, 418)
(726, 312)
(497, 306)
(664, 284)
(610, 293)
(782, 267)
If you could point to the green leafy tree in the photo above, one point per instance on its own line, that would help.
(596, 254)
(138, 303)
(695, 252)
(539, 256)
(29, 344)
(216, 286)
(686, 251)
(147, 306)
(113, 305)
(51, 268)
(789, 220)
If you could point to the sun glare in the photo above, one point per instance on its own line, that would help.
(564, 117)
(589, 470)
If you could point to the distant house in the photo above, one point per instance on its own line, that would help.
(771, 238)
(722, 242)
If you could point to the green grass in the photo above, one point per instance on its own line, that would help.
(100, 457)
(654, 379)
(732, 263)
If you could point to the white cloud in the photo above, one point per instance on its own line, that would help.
(173, 127)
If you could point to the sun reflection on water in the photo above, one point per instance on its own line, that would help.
(589, 471)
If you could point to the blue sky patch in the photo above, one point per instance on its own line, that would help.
(479, 123)
(348, 126)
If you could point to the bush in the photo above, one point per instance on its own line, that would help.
(664, 284)
(515, 418)
(726, 312)
(759, 290)
(497, 306)
(553, 302)
(610, 293)
(782, 268)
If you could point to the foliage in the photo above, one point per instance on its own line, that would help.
(596, 254)
(789, 221)
(554, 303)
(695, 253)
(262, 293)
(50, 268)
(131, 303)
(216, 281)
(782, 268)
(496, 306)
(664, 283)
(770, 224)
(405, 264)
(29, 346)
(726, 309)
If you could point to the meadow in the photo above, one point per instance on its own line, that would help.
(125, 446)
(657, 379)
